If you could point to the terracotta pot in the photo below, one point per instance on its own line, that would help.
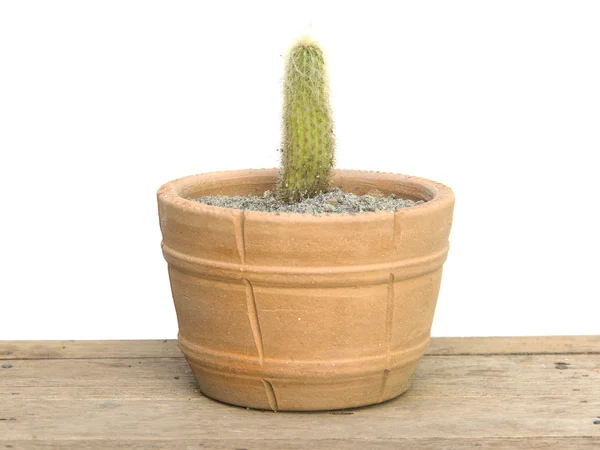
(302, 312)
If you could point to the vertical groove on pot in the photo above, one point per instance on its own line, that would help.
(270, 394)
(389, 322)
(386, 374)
(397, 230)
(254, 323)
(240, 240)
(389, 317)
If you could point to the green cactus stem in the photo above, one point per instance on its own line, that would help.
(308, 142)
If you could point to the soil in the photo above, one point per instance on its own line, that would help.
(335, 201)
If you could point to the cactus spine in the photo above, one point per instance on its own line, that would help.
(308, 141)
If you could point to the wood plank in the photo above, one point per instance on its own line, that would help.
(406, 417)
(515, 345)
(504, 443)
(499, 393)
(158, 348)
(171, 378)
(167, 348)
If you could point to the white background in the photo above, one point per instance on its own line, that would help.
(101, 102)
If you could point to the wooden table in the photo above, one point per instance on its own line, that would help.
(486, 393)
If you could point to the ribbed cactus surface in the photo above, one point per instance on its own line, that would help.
(308, 141)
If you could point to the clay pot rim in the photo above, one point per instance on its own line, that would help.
(175, 192)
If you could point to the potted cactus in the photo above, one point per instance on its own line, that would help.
(288, 309)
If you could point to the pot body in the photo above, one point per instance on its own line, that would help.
(301, 312)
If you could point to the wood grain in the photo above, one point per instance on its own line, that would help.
(171, 378)
(167, 348)
(161, 348)
(485, 393)
(538, 443)
(547, 345)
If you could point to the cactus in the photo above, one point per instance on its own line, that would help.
(308, 141)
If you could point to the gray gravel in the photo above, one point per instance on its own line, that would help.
(332, 202)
